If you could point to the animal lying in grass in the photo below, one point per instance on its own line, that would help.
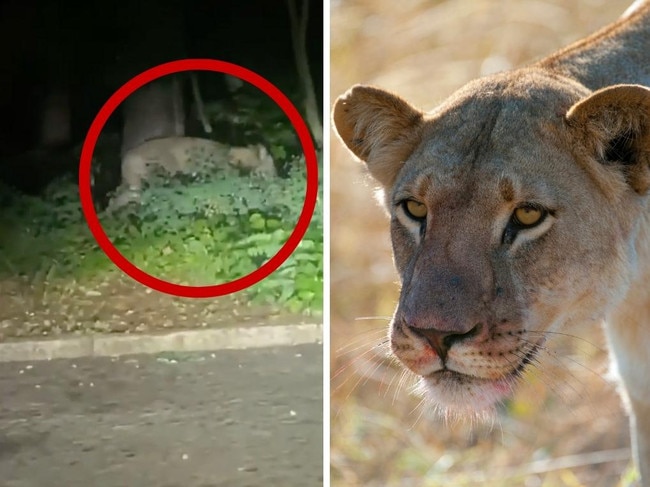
(519, 207)
(187, 155)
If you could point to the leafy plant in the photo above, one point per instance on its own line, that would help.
(201, 230)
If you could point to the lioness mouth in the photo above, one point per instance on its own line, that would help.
(453, 389)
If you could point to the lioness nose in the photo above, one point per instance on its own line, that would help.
(441, 341)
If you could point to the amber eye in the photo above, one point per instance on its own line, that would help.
(528, 216)
(415, 209)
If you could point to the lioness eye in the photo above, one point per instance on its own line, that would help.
(528, 216)
(415, 209)
(524, 217)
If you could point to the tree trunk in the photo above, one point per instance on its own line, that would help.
(299, 38)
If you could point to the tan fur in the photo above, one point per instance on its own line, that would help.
(186, 155)
(569, 135)
(254, 159)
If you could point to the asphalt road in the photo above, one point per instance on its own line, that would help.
(231, 418)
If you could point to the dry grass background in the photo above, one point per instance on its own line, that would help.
(565, 427)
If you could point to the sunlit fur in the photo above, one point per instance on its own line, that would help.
(569, 134)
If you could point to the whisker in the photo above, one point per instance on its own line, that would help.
(368, 376)
(362, 339)
(419, 406)
(544, 376)
(360, 367)
(390, 384)
(568, 335)
(564, 382)
(555, 379)
(392, 364)
(405, 375)
(386, 384)
(559, 358)
(377, 318)
(350, 350)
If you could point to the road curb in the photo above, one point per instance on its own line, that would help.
(179, 341)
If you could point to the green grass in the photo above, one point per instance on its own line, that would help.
(201, 232)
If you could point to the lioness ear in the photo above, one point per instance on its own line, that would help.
(380, 128)
(613, 124)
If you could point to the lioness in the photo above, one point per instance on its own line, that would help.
(518, 206)
(186, 155)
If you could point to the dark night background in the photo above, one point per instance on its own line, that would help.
(89, 49)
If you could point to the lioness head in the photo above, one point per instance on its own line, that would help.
(254, 159)
(513, 207)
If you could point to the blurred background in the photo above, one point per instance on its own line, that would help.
(565, 427)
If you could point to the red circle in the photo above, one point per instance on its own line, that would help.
(311, 191)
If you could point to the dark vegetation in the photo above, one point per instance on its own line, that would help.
(69, 58)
